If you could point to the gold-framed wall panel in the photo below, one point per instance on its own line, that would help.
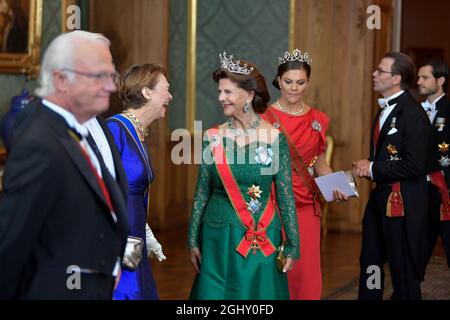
(191, 65)
(29, 62)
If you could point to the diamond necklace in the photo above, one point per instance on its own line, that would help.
(245, 132)
(137, 123)
(290, 112)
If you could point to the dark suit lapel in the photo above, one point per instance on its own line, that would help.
(442, 110)
(387, 125)
(117, 198)
(73, 149)
(71, 145)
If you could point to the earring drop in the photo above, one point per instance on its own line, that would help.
(246, 107)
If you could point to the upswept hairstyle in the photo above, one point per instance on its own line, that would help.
(254, 81)
(134, 80)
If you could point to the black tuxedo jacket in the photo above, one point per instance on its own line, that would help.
(24, 117)
(440, 135)
(412, 140)
(53, 215)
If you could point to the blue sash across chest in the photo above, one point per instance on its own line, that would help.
(132, 131)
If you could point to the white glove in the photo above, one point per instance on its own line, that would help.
(154, 248)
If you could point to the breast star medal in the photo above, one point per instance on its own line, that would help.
(254, 205)
(444, 161)
(443, 147)
(263, 155)
(392, 150)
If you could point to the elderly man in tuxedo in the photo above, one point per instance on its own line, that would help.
(395, 218)
(433, 84)
(63, 220)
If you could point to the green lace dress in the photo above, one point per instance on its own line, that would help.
(215, 228)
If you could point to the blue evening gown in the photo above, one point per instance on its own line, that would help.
(139, 284)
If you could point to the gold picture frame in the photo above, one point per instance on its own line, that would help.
(18, 56)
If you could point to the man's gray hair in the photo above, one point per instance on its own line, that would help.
(60, 54)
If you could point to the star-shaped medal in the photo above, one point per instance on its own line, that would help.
(392, 149)
(254, 192)
(443, 147)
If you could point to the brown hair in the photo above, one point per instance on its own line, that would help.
(439, 69)
(291, 65)
(403, 66)
(254, 81)
(134, 80)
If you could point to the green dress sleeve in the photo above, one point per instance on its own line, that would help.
(202, 195)
(285, 200)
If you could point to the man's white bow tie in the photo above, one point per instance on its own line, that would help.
(382, 102)
(428, 106)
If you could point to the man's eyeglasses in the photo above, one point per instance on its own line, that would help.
(380, 71)
(100, 76)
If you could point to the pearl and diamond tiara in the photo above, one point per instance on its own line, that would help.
(295, 55)
(227, 63)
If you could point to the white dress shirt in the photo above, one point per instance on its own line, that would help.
(102, 143)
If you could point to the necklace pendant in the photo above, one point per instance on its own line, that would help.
(244, 132)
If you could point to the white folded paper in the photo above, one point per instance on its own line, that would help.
(342, 181)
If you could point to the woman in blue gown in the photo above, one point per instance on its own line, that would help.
(144, 92)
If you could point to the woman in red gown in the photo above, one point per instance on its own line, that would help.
(305, 127)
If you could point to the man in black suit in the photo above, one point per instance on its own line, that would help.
(433, 84)
(394, 223)
(63, 218)
(98, 131)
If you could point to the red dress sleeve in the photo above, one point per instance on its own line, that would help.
(323, 120)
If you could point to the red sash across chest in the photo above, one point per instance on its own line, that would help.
(255, 236)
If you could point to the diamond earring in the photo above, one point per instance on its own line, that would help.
(246, 107)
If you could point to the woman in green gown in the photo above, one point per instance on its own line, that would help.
(235, 228)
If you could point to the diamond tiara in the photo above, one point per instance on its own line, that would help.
(227, 63)
(296, 55)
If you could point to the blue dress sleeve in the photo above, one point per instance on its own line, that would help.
(118, 133)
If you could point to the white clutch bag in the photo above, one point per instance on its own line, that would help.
(133, 253)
